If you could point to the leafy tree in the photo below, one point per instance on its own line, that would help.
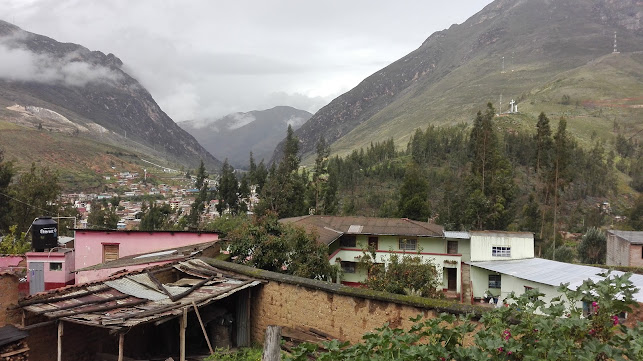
(529, 329)
(593, 247)
(636, 214)
(34, 194)
(320, 176)
(244, 194)
(14, 243)
(102, 216)
(269, 244)
(156, 217)
(228, 190)
(403, 274)
(6, 175)
(414, 196)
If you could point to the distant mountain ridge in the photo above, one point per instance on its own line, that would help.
(90, 93)
(236, 135)
(456, 71)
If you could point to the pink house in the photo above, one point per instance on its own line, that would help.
(49, 270)
(94, 247)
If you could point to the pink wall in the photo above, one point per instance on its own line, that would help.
(89, 243)
(62, 277)
(101, 274)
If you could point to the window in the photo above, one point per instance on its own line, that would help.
(452, 247)
(494, 281)
(348, 267)
(348, 241)
(110, 252)
(55, 266)
(497, 251)
(372, 243)
(408, 244)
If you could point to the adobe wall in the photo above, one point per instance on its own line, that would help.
(345, 317)
(8, 297)
(618, 251)
(636, 255)
(341, 311)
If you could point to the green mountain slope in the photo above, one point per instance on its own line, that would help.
(455, 72)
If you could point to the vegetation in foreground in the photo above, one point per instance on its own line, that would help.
(559, 332)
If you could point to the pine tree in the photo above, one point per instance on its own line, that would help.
(414, 194)
(198, 206)
(6, 175)
(228, 190)
(543, 142)
(593, 247)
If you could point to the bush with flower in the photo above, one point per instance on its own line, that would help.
(529, 329)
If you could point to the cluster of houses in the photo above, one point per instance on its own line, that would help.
(134, 267)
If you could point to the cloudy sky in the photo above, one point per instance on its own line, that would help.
(206, 58)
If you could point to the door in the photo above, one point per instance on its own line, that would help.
(36, 277)
(452, 274)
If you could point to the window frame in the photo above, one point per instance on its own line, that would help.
(107, 255)
(457, 245)
(344, 241)
(405, 243)
(497, 282)
(348, 266)
(501, 251)
(59, 268)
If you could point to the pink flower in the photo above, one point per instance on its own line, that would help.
(592, 332)
(615, 319)
(500, 349)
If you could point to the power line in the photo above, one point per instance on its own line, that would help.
(25, 203)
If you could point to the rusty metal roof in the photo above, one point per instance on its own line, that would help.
(139, 297)
(330, 228)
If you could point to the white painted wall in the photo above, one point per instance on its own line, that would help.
(521, 243)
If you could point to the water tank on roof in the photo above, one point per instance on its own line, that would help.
(44, 234)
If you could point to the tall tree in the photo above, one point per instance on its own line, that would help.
(562, 147)
(320, 175)
(414, 196)
(228, 190)
(197, 207)
(6, 175)
(543, 142)
(34, 195)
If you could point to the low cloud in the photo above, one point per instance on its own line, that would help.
(20, 64)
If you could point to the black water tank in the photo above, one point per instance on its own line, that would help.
(44, 234)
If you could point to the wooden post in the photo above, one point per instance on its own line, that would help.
(272, 344)
(121, 342)
(183, 325)
(60, 340)
(205, 334)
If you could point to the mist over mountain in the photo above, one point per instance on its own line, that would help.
(236, 135)
(90, 94)
(516, 49)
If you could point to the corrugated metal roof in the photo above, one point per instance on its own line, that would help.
(457, 235)
(635, 237)
(134, 298)
(553, 273)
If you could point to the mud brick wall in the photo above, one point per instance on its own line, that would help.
(80, 343)
(341, 311)
(8, 298)
(345, 317)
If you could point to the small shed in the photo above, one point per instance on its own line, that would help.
(159, 312)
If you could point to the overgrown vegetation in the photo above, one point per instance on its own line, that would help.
(562, 330)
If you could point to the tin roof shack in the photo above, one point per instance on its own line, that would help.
(162, 311)
(96, 246)
(49, 270)
(144, 260)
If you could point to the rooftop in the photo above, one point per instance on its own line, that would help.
(329, 228)
(634, 237)
(138, 297)
(553, 273)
